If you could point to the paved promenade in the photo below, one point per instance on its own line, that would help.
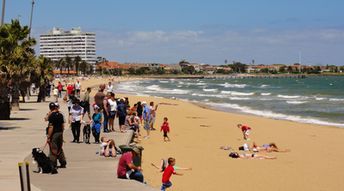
(85, 170)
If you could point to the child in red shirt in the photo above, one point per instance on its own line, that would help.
(166, 129)
(245, 130)
(166, 183)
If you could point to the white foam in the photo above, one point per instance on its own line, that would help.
(157, 89)
(319, 98)
(227, 85)
(163, 81)
(265, 94)
(273, 115)
(336, 99)
(264, 86)
(210, 90)
(239, 98)
(237, 93)
(296, 102)
(288, 97)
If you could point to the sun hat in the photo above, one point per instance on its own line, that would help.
(144, 103)
(136, 150)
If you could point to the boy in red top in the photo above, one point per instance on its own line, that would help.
(166, 183)
(166, 129)
(245, 130)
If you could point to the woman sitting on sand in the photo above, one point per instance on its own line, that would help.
(164, 164)
(108, 147)
(236, 155)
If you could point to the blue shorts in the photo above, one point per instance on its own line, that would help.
(166, 185)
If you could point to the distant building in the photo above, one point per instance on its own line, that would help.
(58, 44)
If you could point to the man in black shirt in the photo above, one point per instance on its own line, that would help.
(55, 136)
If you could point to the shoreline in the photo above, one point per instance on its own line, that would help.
(198, 132)
(206, 106)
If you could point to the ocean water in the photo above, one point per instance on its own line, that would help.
(317, 100)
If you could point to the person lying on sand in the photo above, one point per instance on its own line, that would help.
(164, 164)
(236, 155)
(108, 147)
(271, 147)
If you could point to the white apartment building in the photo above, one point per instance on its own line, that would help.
(58, 44)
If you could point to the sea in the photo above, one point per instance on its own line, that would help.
(316, 99)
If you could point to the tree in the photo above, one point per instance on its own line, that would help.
(188, 69)
(282, 69)
(42, 75)
(69, 63)
(238, 67)
(61, 64)
(83, 67)
(15, 59)
(77, 61)
(16, 64)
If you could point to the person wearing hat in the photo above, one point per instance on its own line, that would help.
(55, 136)
(127, 169)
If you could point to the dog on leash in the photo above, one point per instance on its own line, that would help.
(87, 133)
(44, 164)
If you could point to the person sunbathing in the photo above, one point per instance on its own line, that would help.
(108, 147)
(271, 147)
(236, 155)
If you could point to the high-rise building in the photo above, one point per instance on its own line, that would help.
(58, 44)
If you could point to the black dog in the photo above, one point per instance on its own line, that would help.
(87, 134)
(43, 162)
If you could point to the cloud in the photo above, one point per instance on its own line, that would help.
(213, 46)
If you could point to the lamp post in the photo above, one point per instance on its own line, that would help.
(3, 12)
(33, 3)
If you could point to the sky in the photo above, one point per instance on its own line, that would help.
(202, 31)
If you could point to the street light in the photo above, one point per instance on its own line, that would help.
(3, 12)
(33, 3)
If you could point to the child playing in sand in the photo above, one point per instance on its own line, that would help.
(166, 183)
(166, 129)
(245, 130)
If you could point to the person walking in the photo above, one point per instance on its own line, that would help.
(76, 114)
(86, 102)
(146, 115)
(106, 113)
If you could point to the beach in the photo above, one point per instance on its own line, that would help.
(197, 133)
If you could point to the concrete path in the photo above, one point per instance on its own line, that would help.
(85, 170)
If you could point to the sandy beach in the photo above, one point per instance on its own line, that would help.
(314, 163)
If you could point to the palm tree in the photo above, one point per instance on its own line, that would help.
(69, 63)
(83, 67)
(60, 64)
(16, 54)
(77, 61)
(42, 75)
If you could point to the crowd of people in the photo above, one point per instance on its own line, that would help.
(106, 109)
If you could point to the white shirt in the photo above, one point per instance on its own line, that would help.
(76, 113)
(77, 86)
(109, 88)
(113, 105)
